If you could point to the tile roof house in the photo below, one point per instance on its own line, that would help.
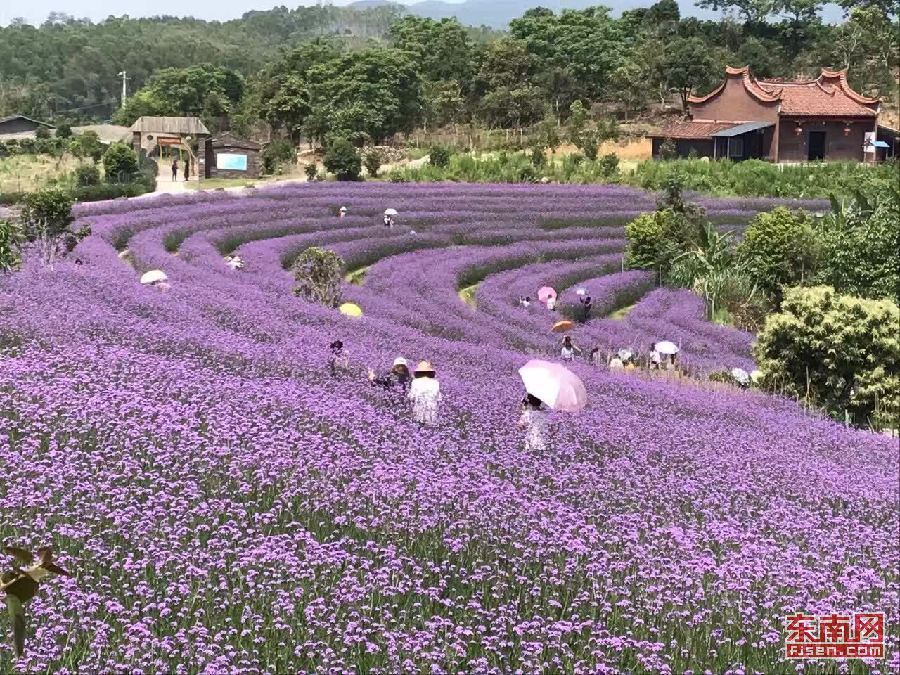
(781, 121)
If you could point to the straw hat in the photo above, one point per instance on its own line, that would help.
(400, 361)
(424, 367)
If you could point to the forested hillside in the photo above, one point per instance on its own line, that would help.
(367, 73)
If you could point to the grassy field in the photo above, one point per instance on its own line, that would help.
(26, 173)
(215, 183)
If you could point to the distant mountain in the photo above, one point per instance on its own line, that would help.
(498, 13)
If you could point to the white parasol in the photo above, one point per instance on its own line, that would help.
(153, 277)
(666, 347)
(391, 212)
(555, 385)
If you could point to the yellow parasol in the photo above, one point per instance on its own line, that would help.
(350, 309)
(562, 326)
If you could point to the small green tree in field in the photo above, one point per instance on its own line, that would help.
(860, 240)
(311, 171)
(10, 242)
(779, 249)
(439, 156)
(373, 163)
(64, 131)
(87, 175)
(342, 159)
(46, 216)
(120, 163)
(317, 272)
(839, 352)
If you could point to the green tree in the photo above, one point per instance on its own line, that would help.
(281, 92)
(373, 162)
(505, 90)
(838, 351)
(588, 43)
(442, 49)
(752, 11)
(439, 156)
(87, 144)
(120, 164)
(11, 237)
(343, 160)
(779, 249)
(689, 65)
(317, 273)
(63, 130)
(366, 95)
(206, 91)
(87, 174)
(46, 216)
(860, 240)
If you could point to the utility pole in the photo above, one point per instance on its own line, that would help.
(124, 86)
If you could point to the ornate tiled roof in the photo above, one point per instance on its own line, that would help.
(829, 95)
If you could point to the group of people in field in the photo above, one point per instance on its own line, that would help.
(422, 390)
(623, 359)
(419, 387)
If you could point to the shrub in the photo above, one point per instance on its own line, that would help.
(860, 240)
(64, 131)
(538, 158)
(839, 351)
(439, 156)
(277, 154)
(311, 171)
(609, 165)
(317, 272)
(342, 159)
(120, 163)
(10, 242)
(667, 149)
(42, 134)
(779, 249)
(87, 174)
(87, 145)
(46, 216)
(373, 162)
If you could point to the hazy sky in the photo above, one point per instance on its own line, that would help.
(36, 11)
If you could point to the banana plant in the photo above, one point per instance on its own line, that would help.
(20, 584)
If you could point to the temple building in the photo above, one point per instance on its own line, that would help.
(820, 119)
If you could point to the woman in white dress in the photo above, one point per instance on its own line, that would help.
(534, 421)
(425, 394)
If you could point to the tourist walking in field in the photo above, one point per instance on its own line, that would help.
(343, 212)
(568, 350)
(425, 394)
(397, 379)
(339, 361)
(586, 305)
(534, 421)
(551, 304)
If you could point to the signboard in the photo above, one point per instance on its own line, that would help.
(231, 162)
(869, 142)
(168, 140)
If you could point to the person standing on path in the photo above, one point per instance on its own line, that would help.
(174, 169)
(187, 169)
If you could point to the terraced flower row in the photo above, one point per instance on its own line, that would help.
(229, 506)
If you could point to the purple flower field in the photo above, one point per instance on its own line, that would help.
(228, 506)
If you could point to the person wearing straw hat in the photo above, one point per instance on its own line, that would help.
(397, 379)
(425, 394)
(534, 421)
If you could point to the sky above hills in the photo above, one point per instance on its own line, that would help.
(37, 11)
(476, 12)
